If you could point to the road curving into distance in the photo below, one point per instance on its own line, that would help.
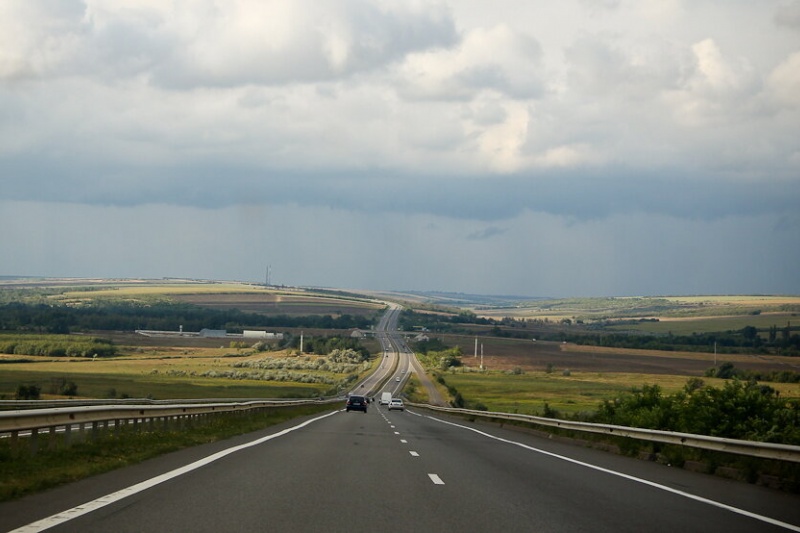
(396, 350)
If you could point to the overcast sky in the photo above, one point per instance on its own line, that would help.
(517, 147)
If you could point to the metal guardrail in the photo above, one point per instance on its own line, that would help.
(15, 421)
(35, 420)
(6, 405)
(764, 450)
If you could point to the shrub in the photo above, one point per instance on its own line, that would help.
(29, 392)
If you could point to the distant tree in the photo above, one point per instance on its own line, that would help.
(749, 332)
(29, 392)
(725, 371)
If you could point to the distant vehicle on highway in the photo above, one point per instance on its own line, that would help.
(356, 403)
(397, 378)
(386, 398)
(396, 403)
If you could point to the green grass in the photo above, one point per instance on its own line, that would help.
(24, 473)
(711, 324)
(527, 393)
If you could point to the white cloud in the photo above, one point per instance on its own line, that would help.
(181, 43)
(784, 81)
(36, 39)
(495, 59)
(713, 71)
(714, 89)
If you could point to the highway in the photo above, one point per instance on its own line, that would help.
(401, 471)
(398, 362)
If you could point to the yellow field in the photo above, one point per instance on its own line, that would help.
(142, 362)
(162, 372)
(166, 289)
(666, 308)
(755, 300)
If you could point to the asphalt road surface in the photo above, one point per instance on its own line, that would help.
(400, 471)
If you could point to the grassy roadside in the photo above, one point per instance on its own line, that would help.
(23, 473)
(578, 392)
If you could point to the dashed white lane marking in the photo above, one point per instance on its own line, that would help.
(647, 482)
(436, 479)
(404, 441)
(396, 432)
(75, 512)
(414, 454)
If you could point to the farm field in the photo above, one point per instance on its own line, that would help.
(663, 308)
(163, 373)
(276, 303)
(169, 368)
(521, 376)
(689, 325)
(177, 366)
(222, 296)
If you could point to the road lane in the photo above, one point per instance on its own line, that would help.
(557, 494)
(353, 471)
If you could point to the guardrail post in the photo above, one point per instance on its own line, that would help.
(14, 442)
(34, 441)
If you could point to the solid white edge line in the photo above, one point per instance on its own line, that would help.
(75, 512)
(653, 484)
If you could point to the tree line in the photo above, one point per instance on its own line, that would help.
(124, 316)
(749, 339)
(56, 346)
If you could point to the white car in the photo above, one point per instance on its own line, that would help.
(396, 403)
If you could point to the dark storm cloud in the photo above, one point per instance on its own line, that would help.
(580, 195)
